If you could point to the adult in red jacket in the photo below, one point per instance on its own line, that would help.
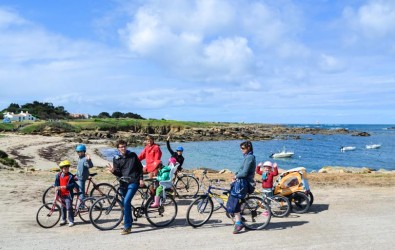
(268, 171)
(152, 155)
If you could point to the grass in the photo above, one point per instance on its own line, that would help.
(109, 124)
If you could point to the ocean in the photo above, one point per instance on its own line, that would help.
(312, 151)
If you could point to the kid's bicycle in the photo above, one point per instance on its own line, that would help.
(48, 215)
(254, 212)
(98, 190)
(107, 212)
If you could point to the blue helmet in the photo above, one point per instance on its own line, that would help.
(179, 148)
(80, 147)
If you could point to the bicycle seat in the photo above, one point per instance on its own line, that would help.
(91, 175)
(77, 193)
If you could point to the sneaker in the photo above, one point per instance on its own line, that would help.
(71, 224)
(62, 223)
(237, 228)
(126, 231)
(266, 213)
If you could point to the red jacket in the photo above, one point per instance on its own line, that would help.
(268, 182)
(152, 155)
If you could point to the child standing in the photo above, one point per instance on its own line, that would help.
(83, 166)
(268, 171)
(163, 175)
(64, 184)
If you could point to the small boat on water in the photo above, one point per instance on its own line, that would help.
(348, 148)
(373, 146)
(282, 154)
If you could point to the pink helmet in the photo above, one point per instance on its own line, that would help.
(267, 164)
(173, 160)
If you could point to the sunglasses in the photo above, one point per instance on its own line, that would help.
(80, 151)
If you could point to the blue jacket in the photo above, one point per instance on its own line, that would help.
(83, 166)
(247, 169)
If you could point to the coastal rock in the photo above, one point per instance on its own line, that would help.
(225, 171)
(339, 169)
(361, 134)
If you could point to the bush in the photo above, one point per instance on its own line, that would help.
(3, 154)
(9, 162)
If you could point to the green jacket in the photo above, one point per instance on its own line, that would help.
(164, 174)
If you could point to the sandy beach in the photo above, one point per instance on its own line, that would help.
(342, 217)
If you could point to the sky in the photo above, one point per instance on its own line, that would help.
(283, 61)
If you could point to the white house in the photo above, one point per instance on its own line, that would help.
(23, 116)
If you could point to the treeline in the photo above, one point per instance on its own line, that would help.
(47, 111)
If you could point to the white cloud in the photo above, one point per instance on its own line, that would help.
(373, 20)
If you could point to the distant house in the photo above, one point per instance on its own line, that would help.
(80, 116)
(23, 116)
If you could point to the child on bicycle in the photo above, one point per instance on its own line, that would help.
(268, 170)
(163, 175)
(64, 184)
(83, 165)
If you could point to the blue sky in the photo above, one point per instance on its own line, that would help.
(278, 61)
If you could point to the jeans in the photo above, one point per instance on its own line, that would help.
(68, 208)
(128, 193)
(81, 184)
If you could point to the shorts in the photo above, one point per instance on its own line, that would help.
(233, 205)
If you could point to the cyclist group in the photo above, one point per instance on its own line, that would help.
(128, 164)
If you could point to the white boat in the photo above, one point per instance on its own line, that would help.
(373, 146)
(348, 148)
(282, 154)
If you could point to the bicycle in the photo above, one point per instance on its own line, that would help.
(107, 212)
(48, 215)
(185, 185)
(254, 212)
(280, 206)
(98, 190)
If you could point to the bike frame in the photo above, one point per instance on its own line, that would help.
(76, 206)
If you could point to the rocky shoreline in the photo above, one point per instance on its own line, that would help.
(253, 132)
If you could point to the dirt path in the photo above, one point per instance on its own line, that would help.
(343, 218)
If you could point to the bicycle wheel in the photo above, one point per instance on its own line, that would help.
(187, 186)
(106, 216)
(311, 197)
(255, 213)
(48, 195)
(164, 214)
(300, 203)
(200, 211)
(280, 206)
(83, 210)
(103, 189)
(48, 217)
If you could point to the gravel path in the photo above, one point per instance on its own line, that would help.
(340, 218)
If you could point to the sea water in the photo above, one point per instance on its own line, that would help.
(312, 151)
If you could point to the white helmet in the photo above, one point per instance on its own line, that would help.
(267, 164)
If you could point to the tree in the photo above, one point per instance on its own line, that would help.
(104, 115)
(117, 115)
